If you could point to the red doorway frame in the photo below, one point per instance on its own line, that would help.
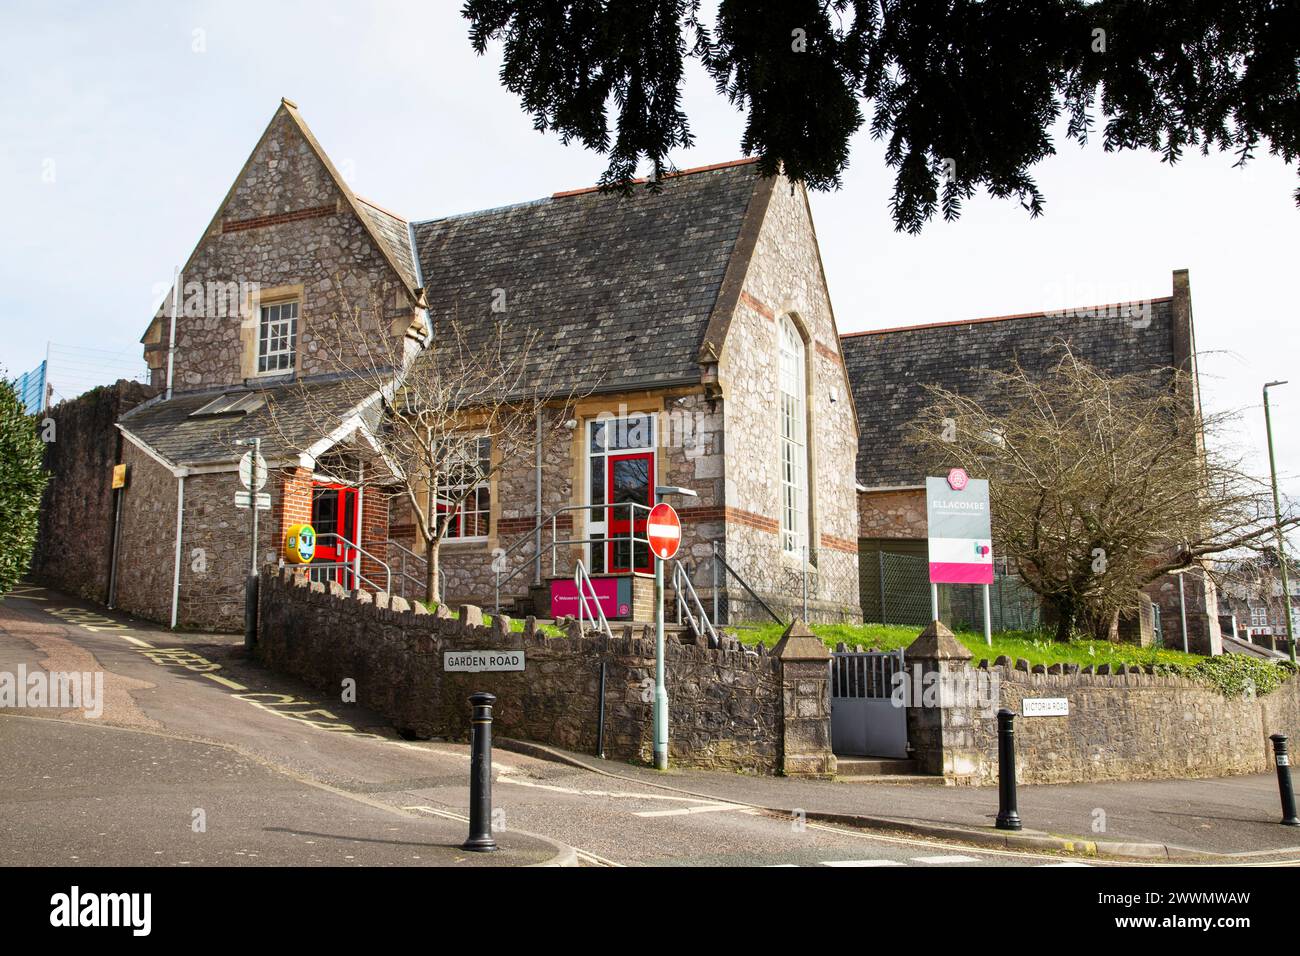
(331, 551)
(619, 520)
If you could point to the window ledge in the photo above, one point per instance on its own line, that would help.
(465, 544)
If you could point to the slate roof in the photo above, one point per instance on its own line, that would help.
(291, 419)
(393, 232)
(617, 289)
(888, 369)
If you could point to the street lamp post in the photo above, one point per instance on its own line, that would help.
(1277, 526)
(661, 690)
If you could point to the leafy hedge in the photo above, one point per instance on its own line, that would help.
(1235, 675)
(22, 482)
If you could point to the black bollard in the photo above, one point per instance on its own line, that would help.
(250, 611)
(480, 775)
(1283, 761)
(1008, 815)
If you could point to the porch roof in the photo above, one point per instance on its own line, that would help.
(290, 419)
(615, 291)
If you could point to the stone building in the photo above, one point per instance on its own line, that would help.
(1251, 607)
(692, 321)
(889, 369)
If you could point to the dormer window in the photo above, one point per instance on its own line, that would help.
(277, 338)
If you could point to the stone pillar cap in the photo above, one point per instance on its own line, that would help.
(799, 643)
(937, 643)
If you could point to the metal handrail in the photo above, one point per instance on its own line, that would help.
(346, 567)
(363, 552)
(580, 577)
(720, 563)
(631, 538)
(499, 558)
(403, 553)
(403, 575)
(686, 599)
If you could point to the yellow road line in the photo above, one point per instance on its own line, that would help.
(225, 682)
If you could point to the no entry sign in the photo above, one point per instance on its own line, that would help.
(664, 530)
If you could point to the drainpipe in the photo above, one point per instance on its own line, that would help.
(176, 572)
(117, 540)
(171, 355)
(361, 513)
(537, 547)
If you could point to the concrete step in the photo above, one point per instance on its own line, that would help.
(889, 779)
(853, 766)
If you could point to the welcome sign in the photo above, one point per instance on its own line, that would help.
(960, 529)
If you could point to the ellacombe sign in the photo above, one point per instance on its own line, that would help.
(960, 529)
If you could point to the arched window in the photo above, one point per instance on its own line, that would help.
(794, 442)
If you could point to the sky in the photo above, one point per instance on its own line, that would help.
(123, 125)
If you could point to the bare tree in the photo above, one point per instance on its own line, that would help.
(444, 413)
(1099, 484)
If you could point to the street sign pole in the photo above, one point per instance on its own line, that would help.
(1277, 528)
(253, 486)
(663, 547)
(661, 691)
(253, 483)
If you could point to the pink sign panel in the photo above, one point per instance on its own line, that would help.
(564, 598)
(952, 572)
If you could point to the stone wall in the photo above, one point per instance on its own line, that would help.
(215, 541)
(285, 231)
(892, 514)
(145, 559)
(1127, 725)
(785, 278)
(74, 544)
(728, 707)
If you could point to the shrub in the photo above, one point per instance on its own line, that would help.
(1235, 675)
(22, 482)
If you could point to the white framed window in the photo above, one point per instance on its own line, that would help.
(277, 337)
(793, 417)
(466, 491)
(1259, 616)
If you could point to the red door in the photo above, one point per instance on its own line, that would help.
(629, 480)
(334, 516)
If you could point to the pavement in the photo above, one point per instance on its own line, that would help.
(287, 774)
(1212, 818)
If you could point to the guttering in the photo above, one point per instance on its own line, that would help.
(863, 489)
(415, 255)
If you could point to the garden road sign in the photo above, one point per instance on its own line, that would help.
(960, 535)
(664, 529)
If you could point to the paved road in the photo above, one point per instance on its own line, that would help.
(291, 776)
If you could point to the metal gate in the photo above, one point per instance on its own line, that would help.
(864, 720)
